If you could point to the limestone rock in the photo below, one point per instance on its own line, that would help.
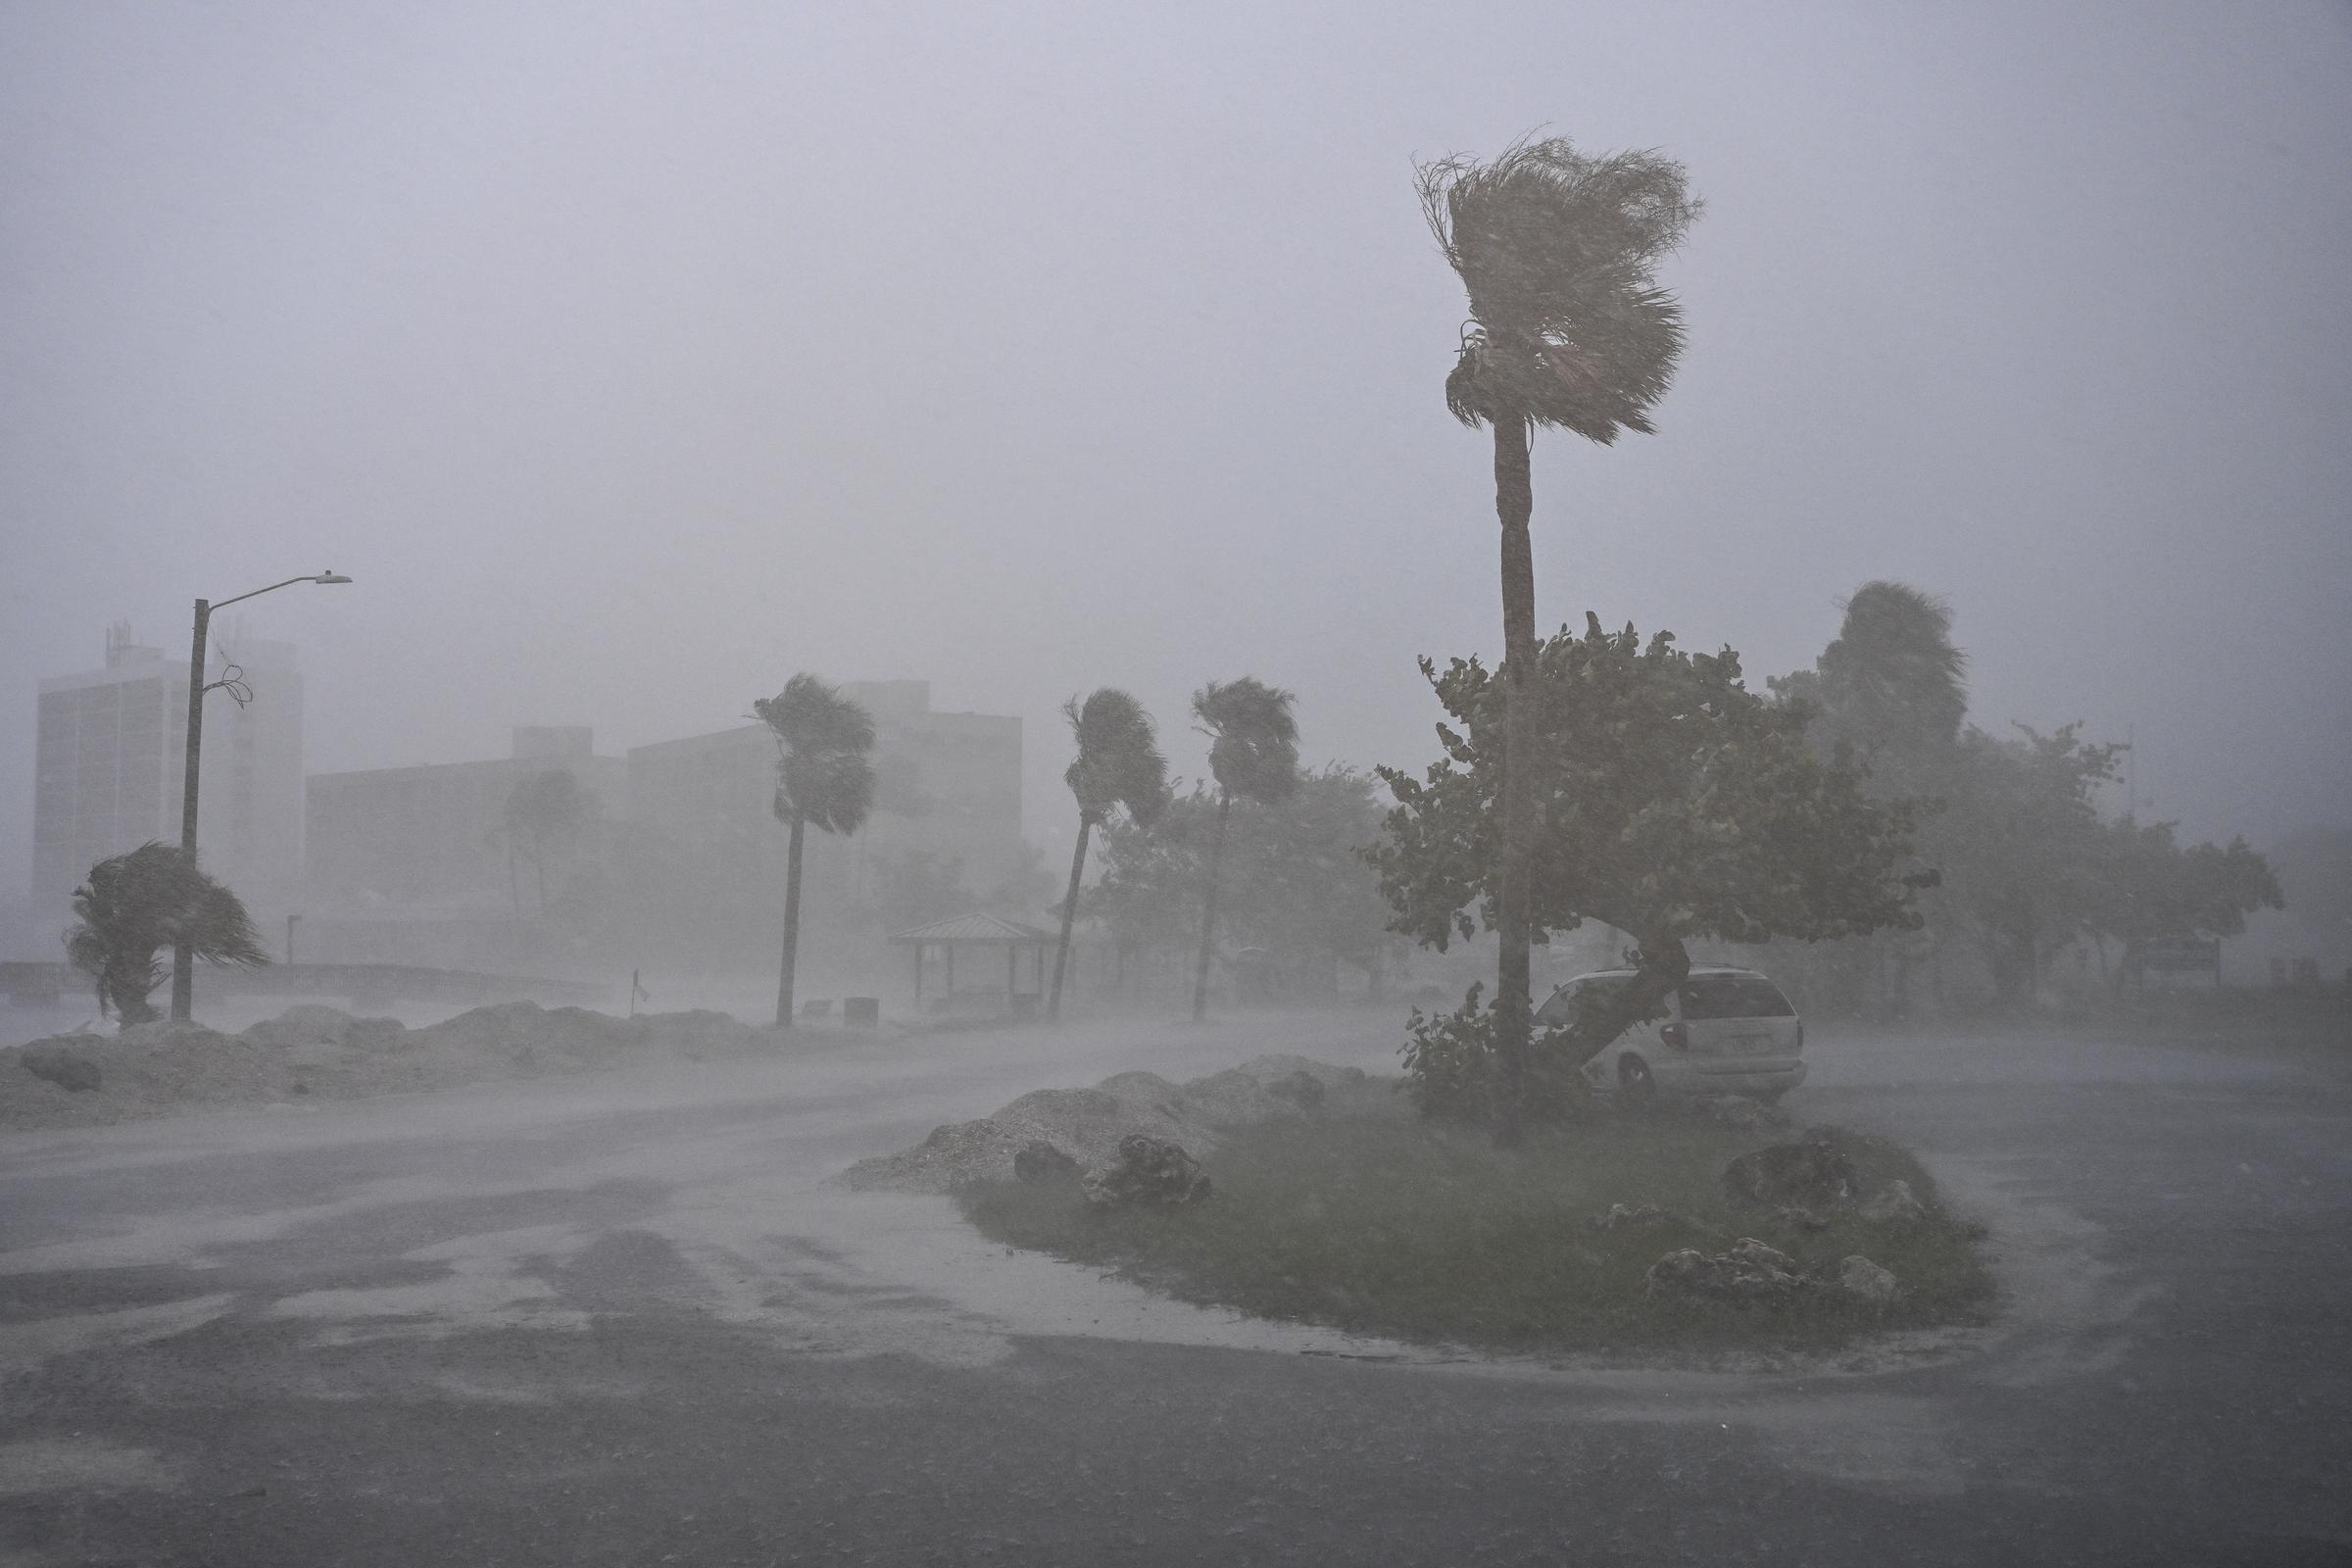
(61, 1065)
(1894, 1204)
(1039, 1163)
(1149, 1171)
(1859, 1277)
(1744, 1276)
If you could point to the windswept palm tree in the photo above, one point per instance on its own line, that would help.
(1892, 681)
(1119, 764)
(1254, 754)
(824, 777)
(136, 904)
(1567, 328)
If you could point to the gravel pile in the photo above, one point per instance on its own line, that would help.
(1087, 1124)
(319, 1052)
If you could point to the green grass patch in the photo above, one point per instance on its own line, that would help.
(1372, 1220)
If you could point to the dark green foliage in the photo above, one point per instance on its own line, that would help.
(1557, 251)
(1672, 804)
(1254, 741)
(1119, 764)
(1295, 884)
(824, 766)
(1452, 1067)
(134, 907)
(1378, 1224)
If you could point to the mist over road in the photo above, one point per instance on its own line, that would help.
(620, 1320)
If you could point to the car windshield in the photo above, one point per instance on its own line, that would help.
(1732, 996)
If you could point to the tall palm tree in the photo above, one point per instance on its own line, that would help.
(1254, 754)
(1567, 328)
(136, 904)
(1119, 764)
(824, 777)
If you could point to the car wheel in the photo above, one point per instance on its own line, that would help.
(1633, 1080)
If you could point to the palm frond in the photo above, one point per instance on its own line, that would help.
(1118, 762)
(1253, 744)
(1557, 251)
(824, 769)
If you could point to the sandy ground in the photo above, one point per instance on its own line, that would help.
(623, 1317)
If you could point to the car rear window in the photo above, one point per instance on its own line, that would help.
(1733, 995)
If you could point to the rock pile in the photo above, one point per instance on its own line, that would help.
(1089, 1124)
(309, 1051)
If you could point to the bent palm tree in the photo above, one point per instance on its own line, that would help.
(1119, 764)
(136, 904)
(824, 776)
(1892, 678)
(1568, 328)
(1253, 753)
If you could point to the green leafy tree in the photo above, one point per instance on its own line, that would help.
(824, 778)
(1252, 753)
(1674, 805)
(1891, 689)
(2150, 888)
(138, 905)
(1557, 252)
(1295, 882)
(2021, 848)
(544, 812)
(1118, 765)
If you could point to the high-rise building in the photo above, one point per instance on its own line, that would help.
(110, 755)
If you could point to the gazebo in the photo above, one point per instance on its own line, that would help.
(985, 933)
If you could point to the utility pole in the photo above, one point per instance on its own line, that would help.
(183, 965)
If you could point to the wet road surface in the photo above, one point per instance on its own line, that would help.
(619, 1321)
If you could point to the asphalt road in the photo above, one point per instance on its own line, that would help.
(620, 1322)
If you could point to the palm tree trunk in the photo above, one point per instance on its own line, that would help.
(1208, 910)
(1069, 914)
(792, 921)
(1514, 501)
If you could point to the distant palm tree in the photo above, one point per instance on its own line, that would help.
(542, 809)
(1568, 328)
(825, 776)
(1119, 764)
(136, 904)
(1892, 681)
(1253, 753)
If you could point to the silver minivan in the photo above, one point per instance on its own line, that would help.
(1725, 1032)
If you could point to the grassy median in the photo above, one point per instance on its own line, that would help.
(1371, 1220)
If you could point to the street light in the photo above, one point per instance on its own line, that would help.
(183, 965)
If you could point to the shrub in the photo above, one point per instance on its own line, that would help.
(1453, 1073)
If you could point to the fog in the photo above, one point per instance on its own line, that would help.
(632, 363)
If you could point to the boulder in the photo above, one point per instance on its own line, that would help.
(1894, 1204)
(1811, 1174)
(61, 1065)
(1039, 1163)
(1796, 1217)
(1750, 1253)
(1148, 1172)
(1634, 1216)
(1866, 1281)
(1744, 1276)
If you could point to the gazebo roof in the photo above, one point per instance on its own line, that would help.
(974, 928)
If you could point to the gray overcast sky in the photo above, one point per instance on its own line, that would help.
(633, 357)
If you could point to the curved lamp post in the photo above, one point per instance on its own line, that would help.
(183, 966)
